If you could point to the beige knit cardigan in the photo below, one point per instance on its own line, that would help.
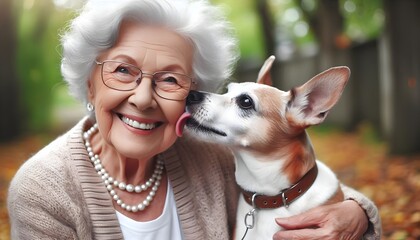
(57, 193)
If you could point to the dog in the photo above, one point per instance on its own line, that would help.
(276, 167)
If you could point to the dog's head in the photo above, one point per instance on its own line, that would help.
(259, 117)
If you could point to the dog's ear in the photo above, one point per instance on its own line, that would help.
(264, 76)
(311, 102)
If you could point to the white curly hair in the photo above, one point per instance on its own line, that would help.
(96, 29)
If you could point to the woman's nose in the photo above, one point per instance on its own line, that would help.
(143, 96)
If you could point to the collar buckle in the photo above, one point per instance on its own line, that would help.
(284, 199)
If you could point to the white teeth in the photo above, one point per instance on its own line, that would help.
(135, 124)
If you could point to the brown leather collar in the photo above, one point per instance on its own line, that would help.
(286, 196)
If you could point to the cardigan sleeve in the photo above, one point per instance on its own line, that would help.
(43, 202)
(374, 230)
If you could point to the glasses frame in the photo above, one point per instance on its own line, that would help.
(141, 75)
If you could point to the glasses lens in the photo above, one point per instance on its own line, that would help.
(172, 86)
(124, 77)
(119, 75)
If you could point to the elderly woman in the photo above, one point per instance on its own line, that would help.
(121, 172)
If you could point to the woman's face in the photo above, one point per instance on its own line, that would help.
(151, 49)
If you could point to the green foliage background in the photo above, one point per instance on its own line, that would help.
(38, 60)
(246, 24)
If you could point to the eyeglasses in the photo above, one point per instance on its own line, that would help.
(126, 77)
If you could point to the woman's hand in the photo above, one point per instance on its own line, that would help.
(344, 220)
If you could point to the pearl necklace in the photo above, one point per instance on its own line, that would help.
(110, 182)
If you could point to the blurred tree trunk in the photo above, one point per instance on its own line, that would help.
(327, 24)
(267, 25)
(401, 67)
(329, 32)
(9, 84)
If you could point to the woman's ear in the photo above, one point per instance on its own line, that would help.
(91, 91)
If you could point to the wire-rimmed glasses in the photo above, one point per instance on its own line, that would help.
(126, 77)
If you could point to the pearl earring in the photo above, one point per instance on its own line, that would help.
(90, 107)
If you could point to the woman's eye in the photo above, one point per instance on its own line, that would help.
(170, 80)
(245, 102)
(122, 70)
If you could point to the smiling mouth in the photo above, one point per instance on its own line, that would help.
(202, 128)
(138, 125)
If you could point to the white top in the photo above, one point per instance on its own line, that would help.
(166, 226)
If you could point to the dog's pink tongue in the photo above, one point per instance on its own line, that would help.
(181, 123)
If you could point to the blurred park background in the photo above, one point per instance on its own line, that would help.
(371, 138)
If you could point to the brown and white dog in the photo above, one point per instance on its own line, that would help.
(265, 128)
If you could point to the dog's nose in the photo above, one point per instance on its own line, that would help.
(194, 97)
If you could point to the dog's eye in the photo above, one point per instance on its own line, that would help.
(245, 102)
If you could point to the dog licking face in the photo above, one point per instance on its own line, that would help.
(260, 118)
(265, 129)
(244, 117)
